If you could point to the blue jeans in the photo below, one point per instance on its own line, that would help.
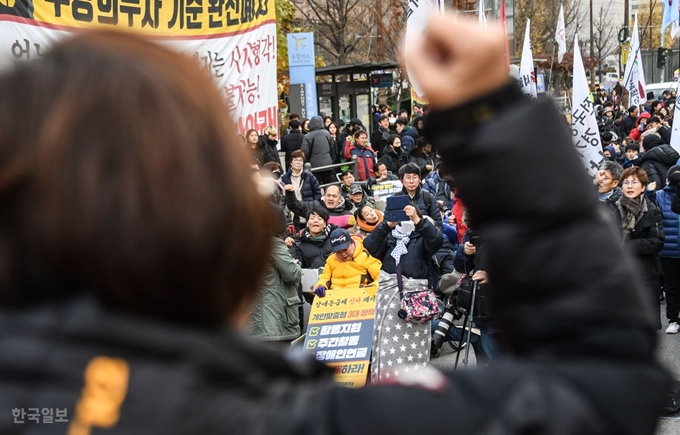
(487, 347)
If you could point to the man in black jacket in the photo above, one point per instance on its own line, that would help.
(409, 175)
(629, 121)
(292, 141)
(380, 135)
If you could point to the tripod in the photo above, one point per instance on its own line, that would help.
(467, 327)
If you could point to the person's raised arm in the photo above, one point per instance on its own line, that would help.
(553, 261)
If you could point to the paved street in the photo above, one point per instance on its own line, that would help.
(668, 352)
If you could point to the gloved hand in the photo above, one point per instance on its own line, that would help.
(320, 291)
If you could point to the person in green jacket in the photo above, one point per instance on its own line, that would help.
(275, 316)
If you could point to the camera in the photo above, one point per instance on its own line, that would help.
(445, 323)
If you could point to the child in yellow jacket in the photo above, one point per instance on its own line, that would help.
(350, 266)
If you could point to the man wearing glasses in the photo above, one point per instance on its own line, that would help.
(409, 175)
(607, 181)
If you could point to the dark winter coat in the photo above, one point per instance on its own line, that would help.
(409, 138)
(310, 189)
(422, 160)
(268, 150)
(428, 207)
(394, 159)
(657, 159)
(644, 243)
(671, 223)
(341, 140)
(318, 144)
(628, 123)
(423, 243)
(312, 254)
(675, 205)
(379, 140)
(291, 142)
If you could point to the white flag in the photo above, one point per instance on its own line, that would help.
(482, 17)
(675, 134)
(527, 77)
(561, 36)
(675, 29)
(634, 77)
(417, 17)
(671, 14)
(584, 129)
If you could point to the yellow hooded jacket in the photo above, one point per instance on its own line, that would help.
(362, 271)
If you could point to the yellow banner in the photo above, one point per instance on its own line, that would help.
(340, 333)
(159, 17)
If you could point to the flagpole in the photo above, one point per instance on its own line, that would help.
(551, 68)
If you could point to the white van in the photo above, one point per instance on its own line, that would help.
(658, 88)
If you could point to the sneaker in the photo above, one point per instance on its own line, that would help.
(673, 328)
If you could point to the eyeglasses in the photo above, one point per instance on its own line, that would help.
(411, 178)
(631, 182)
(297, 160)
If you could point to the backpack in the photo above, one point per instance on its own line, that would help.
(427, 199)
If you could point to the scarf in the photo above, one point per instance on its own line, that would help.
(296, 181)
(631, 210)
(402, 241)
(365, 226)
(317, 240)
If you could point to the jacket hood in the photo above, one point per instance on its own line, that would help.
(652, 141)
(643, 115)
(316, 123)
(612, 151)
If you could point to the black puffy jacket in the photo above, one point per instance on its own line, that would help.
(656, 160)
(394, 159)
(644, 243)
(423, 243)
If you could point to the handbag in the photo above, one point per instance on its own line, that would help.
(420, 306)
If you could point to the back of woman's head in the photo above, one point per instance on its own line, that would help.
(120, 176)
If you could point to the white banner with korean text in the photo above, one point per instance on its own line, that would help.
(584, 131)
(234, 43)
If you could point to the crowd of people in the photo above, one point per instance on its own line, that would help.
(137, 253)
(347, 210)
(637, 180)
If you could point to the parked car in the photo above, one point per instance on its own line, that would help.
(658, 88)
